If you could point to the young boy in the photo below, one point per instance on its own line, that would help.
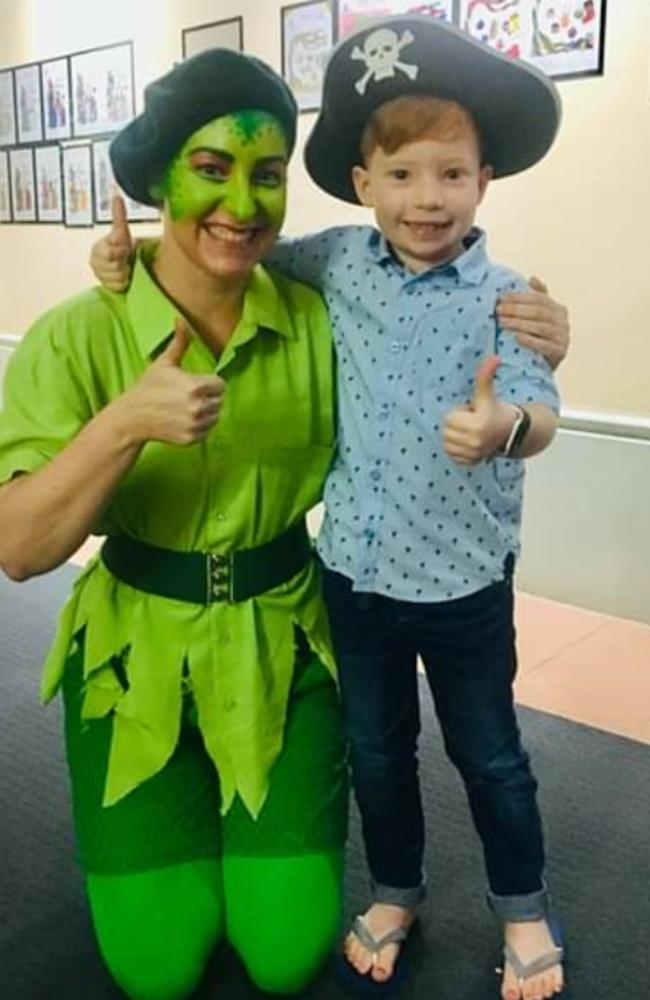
(437, 408)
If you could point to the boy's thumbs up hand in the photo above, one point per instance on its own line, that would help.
(110, 257)
(168, 404)
(475, 431)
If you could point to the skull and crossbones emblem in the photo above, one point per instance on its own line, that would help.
(381, 54)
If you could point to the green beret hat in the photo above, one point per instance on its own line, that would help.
(211, 84)
(515, 106)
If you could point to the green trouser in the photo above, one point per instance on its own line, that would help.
(168, 877)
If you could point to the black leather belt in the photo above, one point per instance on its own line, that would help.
(208, 577)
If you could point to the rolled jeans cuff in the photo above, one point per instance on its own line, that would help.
(527, 908)
(410, 897)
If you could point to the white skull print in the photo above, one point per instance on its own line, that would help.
(381, 54)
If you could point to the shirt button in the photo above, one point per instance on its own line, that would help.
(230, 705)
(383, 414)
(221, 517)
(375, 475)
(395, 347)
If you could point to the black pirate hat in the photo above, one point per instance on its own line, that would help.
(515, 106)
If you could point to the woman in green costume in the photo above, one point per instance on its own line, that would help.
(190, 421)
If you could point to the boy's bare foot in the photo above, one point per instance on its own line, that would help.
(379, 919)
(529, 941)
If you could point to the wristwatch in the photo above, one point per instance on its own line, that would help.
(517, 433)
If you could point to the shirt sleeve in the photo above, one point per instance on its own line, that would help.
(524, 375)
(44, 403)
(305, 258)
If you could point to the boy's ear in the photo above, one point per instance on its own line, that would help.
(362, 186)
(485, 176)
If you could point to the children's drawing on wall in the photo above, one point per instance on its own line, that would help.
(105, 187)
(7, 110)
(55, 84)
(102, 89)
(77, 182)
(5, 197)
(353, 12)
(307, 38)
(23, 195)
(49, 188)
(28, 103)
(562, 37)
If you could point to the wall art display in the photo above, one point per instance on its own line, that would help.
(55, 89)
(49, 184)
(105, 187)
(7, 109)
(23, 193)
(77, 185)
(101, 82)
(218, 34)
(352, 13)
(307, 38)
(563, 37)
(27, 80)
(5, 194)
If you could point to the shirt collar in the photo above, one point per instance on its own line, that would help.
(470, 266)
(153, 315)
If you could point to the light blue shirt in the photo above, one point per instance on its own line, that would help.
(401, 518)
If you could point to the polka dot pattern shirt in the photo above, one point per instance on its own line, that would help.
(402, 519)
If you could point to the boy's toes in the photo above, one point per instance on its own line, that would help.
(384, 963)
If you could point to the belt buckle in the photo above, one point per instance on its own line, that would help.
(219, 573)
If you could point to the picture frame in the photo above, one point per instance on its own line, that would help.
(102, 89)
(8, 133)
(49, 183)
(76, 164)
(6, 214)
(55, 99)
(227, 34)
(307, 33)
(565, 39)
(29, 107)
(105, 187)
(352, 13)
(22, 185)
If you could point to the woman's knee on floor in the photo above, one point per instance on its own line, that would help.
(156, 930)
(284, 916)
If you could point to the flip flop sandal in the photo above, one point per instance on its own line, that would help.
(362, 984)
(543, 962)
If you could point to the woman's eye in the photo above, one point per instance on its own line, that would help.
(211, 170)
(269, 178)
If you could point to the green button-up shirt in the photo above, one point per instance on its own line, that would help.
(257, 471)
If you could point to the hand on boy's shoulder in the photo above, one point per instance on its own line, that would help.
(474, 431)
(537, 321)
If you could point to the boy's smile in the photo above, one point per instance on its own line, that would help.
(425, 196)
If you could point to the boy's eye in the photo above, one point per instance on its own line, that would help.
(454, 173)
(399, 174)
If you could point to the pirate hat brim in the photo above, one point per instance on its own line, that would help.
(516, 107)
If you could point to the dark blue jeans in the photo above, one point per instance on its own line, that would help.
(468, 650)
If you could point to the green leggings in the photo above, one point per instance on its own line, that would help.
(157, 929)
(168, 877)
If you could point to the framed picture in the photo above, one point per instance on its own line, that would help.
(307, 37)
(29, 110)
(49, 184)
(105, 187)
(77, 185)
(352, 13)
(23, 187)
(55, 91)
(5, 193)
(564, 38)
(7, 109)
(101, 83)
(218, 34)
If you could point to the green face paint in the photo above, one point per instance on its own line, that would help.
(234, 163)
